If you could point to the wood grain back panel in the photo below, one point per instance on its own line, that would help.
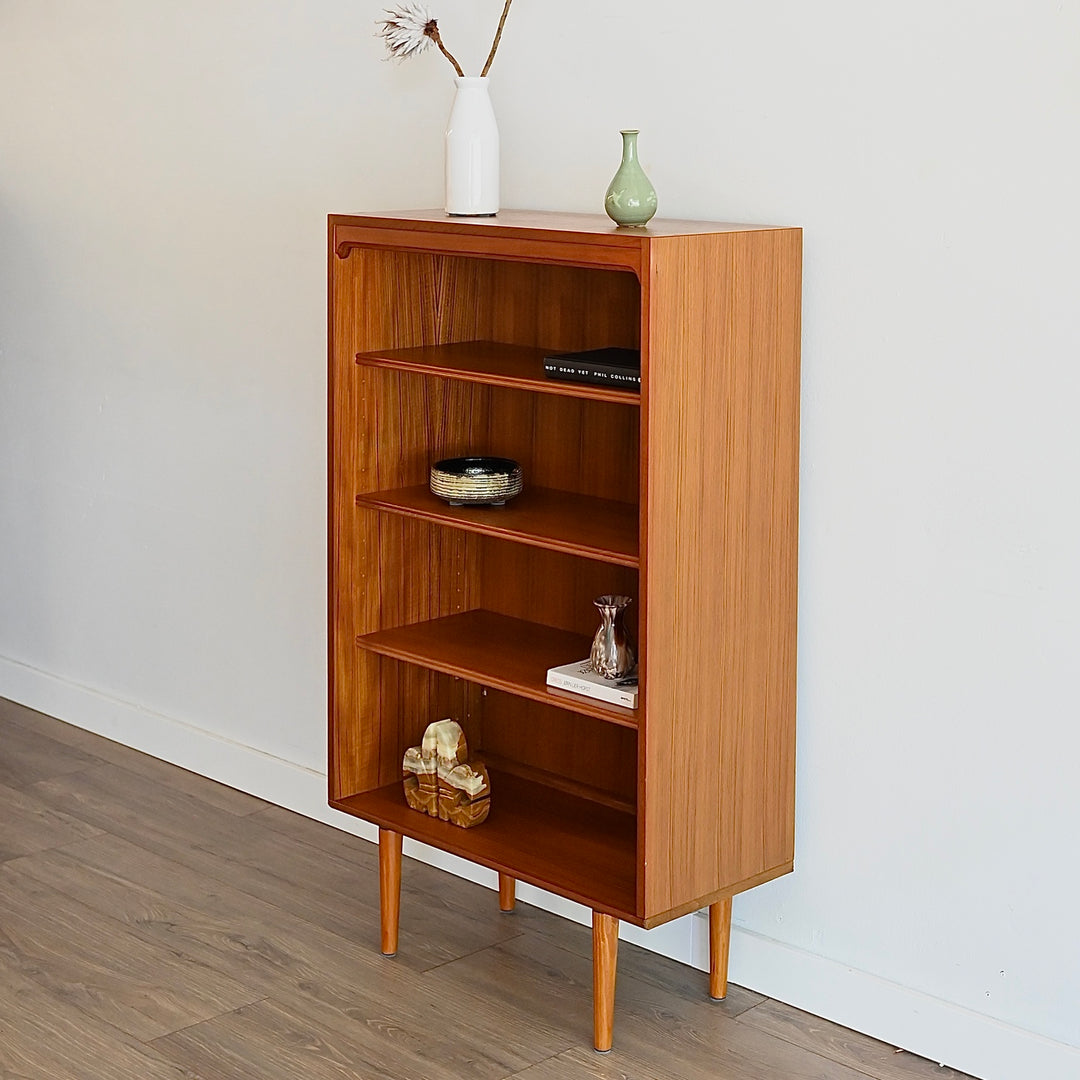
(562, 307)
(589, 752)
(550, 587)
(413, 697)
(564, 443)
(388, 426)
(720, 562)
(384, 426)
(588, 447)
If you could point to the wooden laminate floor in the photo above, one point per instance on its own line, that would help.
(154, 924)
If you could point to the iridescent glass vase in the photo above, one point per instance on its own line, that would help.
(612, 654)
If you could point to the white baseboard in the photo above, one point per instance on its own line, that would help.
(922, 1024)
(942, 1031)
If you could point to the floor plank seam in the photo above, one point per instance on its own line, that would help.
(205, 1020)
(475, 952)
(220, 876)
(734, 990)
(51, 850)
(270, 808)
(30, 784)
(203, 802)
(859, 1069)
(536, 1064)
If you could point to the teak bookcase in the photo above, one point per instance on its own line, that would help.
(684, 496)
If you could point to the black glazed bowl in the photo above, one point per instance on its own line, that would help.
(476, 481)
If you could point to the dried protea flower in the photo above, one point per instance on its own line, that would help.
(409, 29)
(405, 30)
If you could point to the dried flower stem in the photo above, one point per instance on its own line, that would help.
(498, 38)
(432, 31)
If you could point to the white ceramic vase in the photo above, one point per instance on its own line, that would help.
(472, 152)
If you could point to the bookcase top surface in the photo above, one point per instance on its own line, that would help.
(586, 225)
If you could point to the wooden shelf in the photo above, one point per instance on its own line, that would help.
(518, 367)
(558, 520)
(499, 652)
(554, 781)
(551, 839)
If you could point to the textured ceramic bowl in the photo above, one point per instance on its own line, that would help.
(476, 481)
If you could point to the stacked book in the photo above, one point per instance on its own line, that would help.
(602, 367)
(579, 678)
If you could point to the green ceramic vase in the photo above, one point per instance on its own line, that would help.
(630, 199)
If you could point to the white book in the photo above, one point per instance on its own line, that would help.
(579, 678)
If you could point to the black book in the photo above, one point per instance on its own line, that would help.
(604, 367)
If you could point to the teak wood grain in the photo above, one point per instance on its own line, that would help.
(389, 890)
(720, 562)
(437, 328)
(594, 528)
(719, 947)
(550, 587)
(562, 780)
(576, 753)
(505, 653)
(515, 367)
(507, 888)
(605, 951)
(530, 236)
(552, 839)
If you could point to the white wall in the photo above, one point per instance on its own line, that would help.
(165, 172)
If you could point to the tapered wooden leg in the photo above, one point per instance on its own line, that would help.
(389, 888)
(506, 892)
(605, 951)
(719, 939)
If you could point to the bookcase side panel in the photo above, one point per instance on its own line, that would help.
(720, 563)
(349, 745)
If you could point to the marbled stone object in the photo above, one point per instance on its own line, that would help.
(442, 782)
